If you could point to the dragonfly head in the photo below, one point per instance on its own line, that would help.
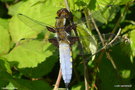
(63, 13)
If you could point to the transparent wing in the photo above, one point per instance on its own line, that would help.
(33, 24)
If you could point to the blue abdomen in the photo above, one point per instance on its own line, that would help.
(65, 62)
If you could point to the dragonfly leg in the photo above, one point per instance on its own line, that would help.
(54, 41)
(51, 29)
(73, 40)
(70, 27)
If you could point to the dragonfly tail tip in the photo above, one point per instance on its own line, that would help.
(66, 85)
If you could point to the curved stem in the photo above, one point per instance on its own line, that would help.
(58, 80)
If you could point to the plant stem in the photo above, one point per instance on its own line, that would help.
(58, 80)
(120, 18)
(84, 63)
(87, 15)
(67, 6)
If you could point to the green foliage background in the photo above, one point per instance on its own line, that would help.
(33, 64)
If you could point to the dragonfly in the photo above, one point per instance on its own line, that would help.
(64, 40)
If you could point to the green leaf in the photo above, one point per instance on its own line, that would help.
(132, 38)
(4, 78)
(3, 84)
(129, 31)
(43, 11)
(88, 41)
(78, 4)
(4, 23)
(121, 75)
(5, 72)
(125, 73)
(5, 39)
(7, 0)
(62, 89)
(103, 11)
(5, 66)
(30, 54)
(42, 69)
(111, 2)
(79, 86)
(10, 86)
(94, 4)
(22, 84)
(105, 14)
(108, 76)
(12, 10)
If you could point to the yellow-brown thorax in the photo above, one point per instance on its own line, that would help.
(60, 26)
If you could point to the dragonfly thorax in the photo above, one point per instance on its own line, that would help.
(61, 25)
(63, 13)
(62, 36)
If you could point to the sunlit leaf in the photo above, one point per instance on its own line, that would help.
(12, 10)
(41, 11)
(42, 68)
(5, 39)
(29, 54)
(79, 86)
(125, 73)
(90, 45)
